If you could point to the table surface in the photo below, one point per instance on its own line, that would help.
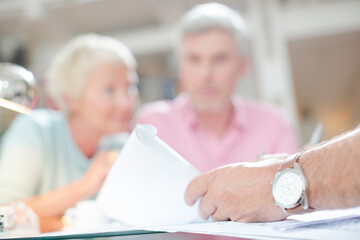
(137, 234)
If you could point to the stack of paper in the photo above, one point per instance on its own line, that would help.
(316, 218)
(321, 225)
(259, 231)
(146, 184)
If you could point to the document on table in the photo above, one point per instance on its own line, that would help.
(316, 226)
(146, 185)
(331, 227)
(318, 217)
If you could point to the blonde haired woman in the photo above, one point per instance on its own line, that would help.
(50, 159)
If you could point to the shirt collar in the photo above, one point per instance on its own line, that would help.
(240, 117)
(183, 102)
(238, 121)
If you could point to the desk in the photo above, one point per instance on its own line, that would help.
(138, 235)
(347, 228)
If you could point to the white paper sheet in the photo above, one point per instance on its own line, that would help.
(318, 217)
(334, 224)
(146, 184)
(331, 224)
(326, 231)
(258, 231)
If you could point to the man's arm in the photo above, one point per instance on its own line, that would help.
(332, 170)
(242, 192)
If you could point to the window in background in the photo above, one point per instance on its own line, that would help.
(326, 72)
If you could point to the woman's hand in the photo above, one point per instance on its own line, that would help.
(94, 177)
(51, 206)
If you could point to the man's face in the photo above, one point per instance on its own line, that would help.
(209, 68)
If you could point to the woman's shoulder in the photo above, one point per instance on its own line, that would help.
(43, 116)
(37, 120)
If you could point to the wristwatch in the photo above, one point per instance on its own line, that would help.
(289, 188)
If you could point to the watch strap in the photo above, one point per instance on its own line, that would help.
(304, 202)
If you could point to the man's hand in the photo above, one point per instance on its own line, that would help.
(239, 192)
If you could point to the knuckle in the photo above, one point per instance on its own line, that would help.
(243, 219)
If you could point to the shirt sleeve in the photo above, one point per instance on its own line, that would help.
(21, 160)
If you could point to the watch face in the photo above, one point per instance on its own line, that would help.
(287, 188)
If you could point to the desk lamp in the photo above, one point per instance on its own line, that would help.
(17, 93)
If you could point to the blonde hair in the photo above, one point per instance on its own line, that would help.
(68, 71)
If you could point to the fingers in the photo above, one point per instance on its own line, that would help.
(219, 216)
(111, 157)
(106, 158)
(206, 207)
(196, 189)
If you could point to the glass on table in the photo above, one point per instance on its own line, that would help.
(18, 220)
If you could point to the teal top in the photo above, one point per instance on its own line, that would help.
(38, 154)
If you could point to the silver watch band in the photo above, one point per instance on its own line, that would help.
(303, 201)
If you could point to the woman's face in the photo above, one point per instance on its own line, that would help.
(109, 99)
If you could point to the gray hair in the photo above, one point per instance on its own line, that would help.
(68, 71)
(210, 16)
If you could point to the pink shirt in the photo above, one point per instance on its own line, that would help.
(254, 129)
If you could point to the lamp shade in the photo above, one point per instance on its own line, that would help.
(17, 92)
(17, 85)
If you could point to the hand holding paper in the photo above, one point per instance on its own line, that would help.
(146, 184)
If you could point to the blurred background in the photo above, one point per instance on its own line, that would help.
(305, 53)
